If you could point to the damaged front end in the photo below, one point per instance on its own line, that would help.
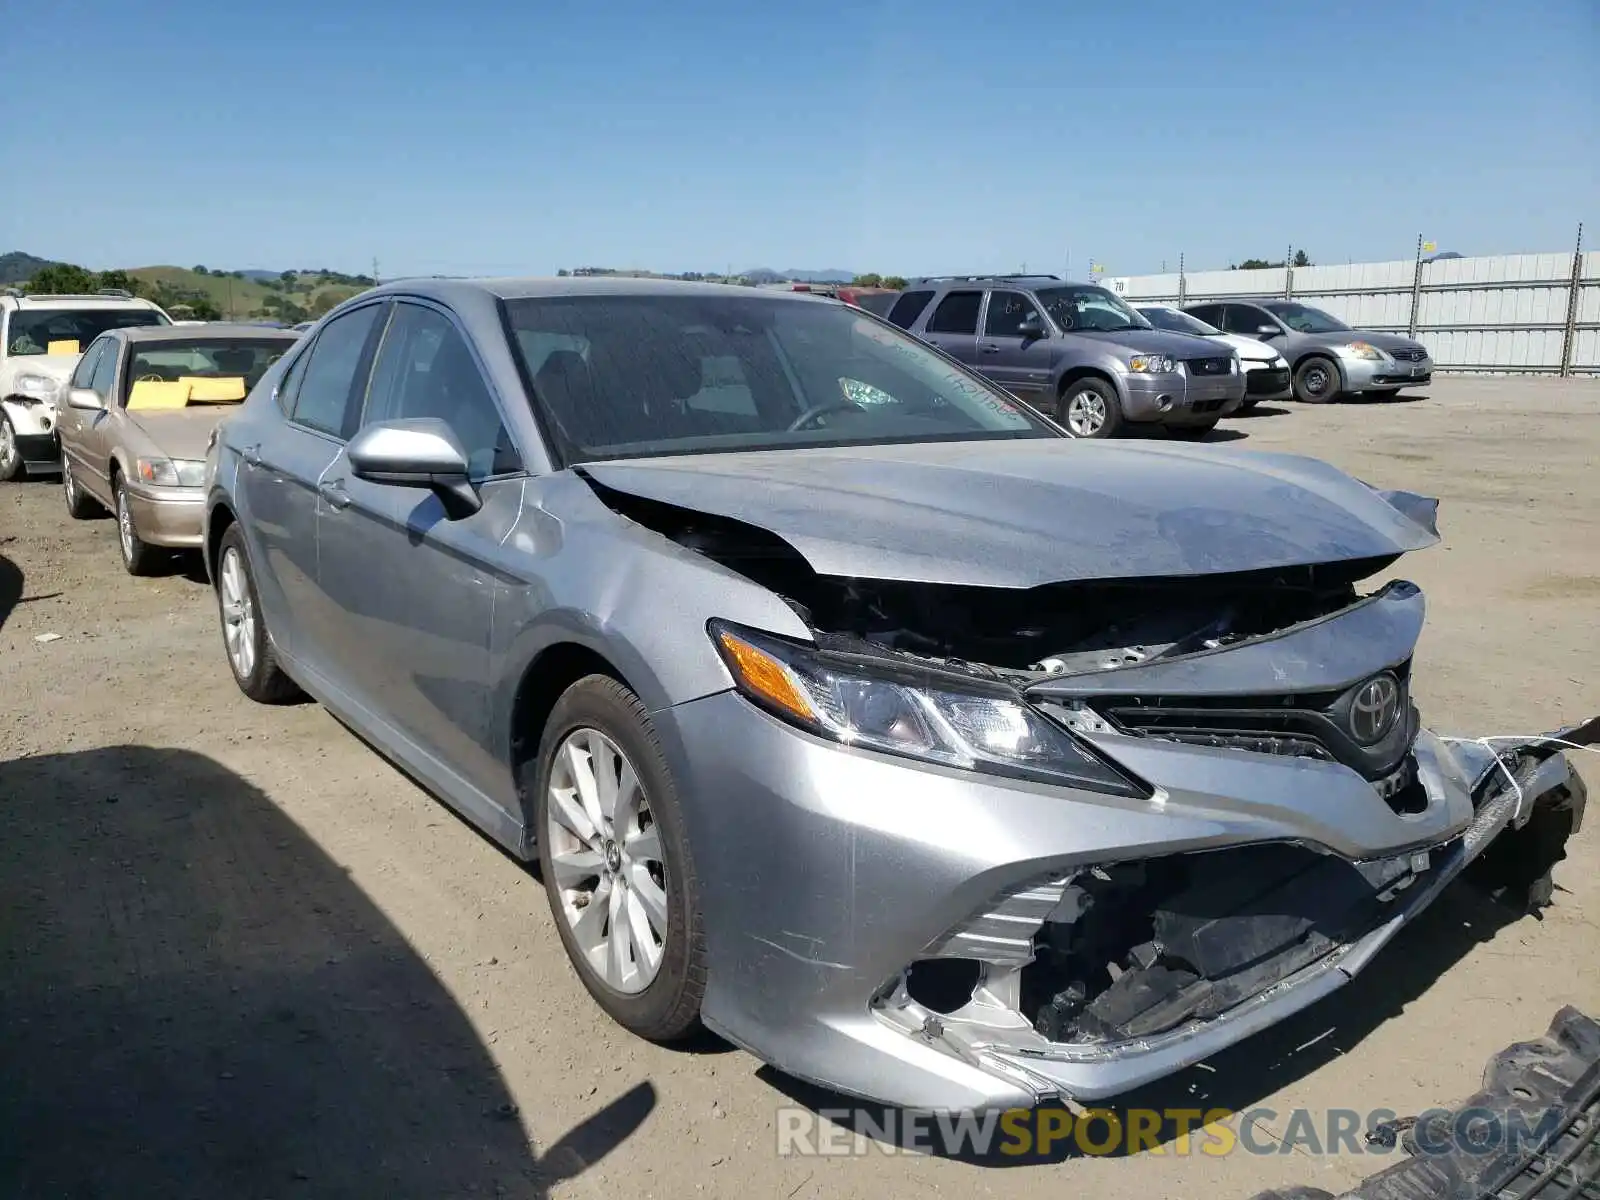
(1272, 702)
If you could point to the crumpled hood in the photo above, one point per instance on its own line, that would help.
(182, 433)
(57, 366)
(1024, 513)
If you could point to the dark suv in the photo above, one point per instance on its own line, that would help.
(1074, 350)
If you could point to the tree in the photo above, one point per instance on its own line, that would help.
(60, 279)
(287, 278)
(201, 271)
(119, 279)
(1300, 259)
(563, 273)
(871, 279)
(897, 282)
(324, 301)
(1254, 264)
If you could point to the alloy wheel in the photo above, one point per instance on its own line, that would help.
(605, 853)
(238, 614)
(68, 482)
(1086, 413)
(8, 450)
(124, 525)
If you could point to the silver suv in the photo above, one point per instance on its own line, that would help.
(1075, 350)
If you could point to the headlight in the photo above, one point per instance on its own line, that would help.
(41, 386)
(1152, 364)
(1280, 363)
(172, 472)
(926, 714)
(1364, 350)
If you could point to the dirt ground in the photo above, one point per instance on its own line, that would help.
(242, 956)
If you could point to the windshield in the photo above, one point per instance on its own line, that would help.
(67, 330)
(208, 370)
(1303, 319)
(1089, 309)
(1174, 321)
(629, 376)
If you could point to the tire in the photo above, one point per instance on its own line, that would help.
(1316, 380)
(11, 465)
(80, 505)
(1190, 433)
(659, 1002)
(138, 556)
(239, 605)
(1093, 404)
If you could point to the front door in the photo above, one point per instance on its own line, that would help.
(72, 424)
(414, 588)
(1019, 364)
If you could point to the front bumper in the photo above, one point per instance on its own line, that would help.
(173, 516)
(826, 872)
(1362, 375)
(1182, 399)
(34, 427)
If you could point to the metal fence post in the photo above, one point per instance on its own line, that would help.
(1288, 273)
(1573, 283)
(1183, 284)
(1416, 290)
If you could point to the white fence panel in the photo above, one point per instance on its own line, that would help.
(1494, 313)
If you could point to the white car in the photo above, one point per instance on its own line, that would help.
(1266, 372)
(41, 340)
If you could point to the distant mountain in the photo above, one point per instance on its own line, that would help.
(258, 274)
(17, 267)
(768, 275)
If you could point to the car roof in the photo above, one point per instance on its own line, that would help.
(80, 300)
(578, 285)
(211, 331)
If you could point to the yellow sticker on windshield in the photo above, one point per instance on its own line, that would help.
(153, 395)
(66, 346)
(211, 390)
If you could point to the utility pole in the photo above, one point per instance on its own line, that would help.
(1183, 284)
(375, 268)
(1416, 290)
(1288, 272)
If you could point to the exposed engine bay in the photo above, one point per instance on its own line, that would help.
(1031, 633)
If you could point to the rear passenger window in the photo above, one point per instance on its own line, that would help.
(104, 379)
(84, 371)
(908, 308)
(1211, 314)
(957, 313)
(325, 389)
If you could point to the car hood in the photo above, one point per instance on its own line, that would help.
(1024, 513)
(57, 366)
(182, 433)
(1343, 337)
(1150, 341)
(1249, 349)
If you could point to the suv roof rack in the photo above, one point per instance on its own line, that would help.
(102, 294)
(989, 275)
(118, 293)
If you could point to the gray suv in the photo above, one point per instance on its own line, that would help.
(1075, 350)
(1327, 357)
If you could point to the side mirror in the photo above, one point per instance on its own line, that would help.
(1265, 331)
(1030, 327)
(86, 399)
(421, 452)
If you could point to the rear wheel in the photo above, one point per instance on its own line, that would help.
(1089, 409)
(1316, 381)
(615, 859)
(10, 454)
(80, 505)
(244, 634)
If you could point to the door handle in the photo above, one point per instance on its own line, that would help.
(332, 490)
(251, 456)
(989, 348)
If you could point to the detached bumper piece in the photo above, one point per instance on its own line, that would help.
(1549, 1088)
(1266, 382)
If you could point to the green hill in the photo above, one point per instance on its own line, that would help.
(304, 294)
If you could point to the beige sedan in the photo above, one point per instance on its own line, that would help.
(134, 421)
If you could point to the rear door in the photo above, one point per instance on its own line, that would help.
(282, 467)
(1020, 365)
(953, 325)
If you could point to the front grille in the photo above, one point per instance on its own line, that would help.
(1409, 354)
(1222, 365)
(1260, 382)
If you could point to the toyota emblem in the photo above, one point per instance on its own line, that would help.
(1373, 709)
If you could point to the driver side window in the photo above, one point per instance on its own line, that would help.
(84, 371)
(1007, 311)
(104, 379)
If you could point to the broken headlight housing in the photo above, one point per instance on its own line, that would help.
(942, 717)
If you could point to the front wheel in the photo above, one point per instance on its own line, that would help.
(244, 634)
(1090, 409)
(138, 556)
(10, 453)
(1316, 381)
(80, 505)
(615, 859)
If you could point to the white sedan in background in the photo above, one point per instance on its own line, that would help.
(1266, 372)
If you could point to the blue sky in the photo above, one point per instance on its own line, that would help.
(456, 136)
